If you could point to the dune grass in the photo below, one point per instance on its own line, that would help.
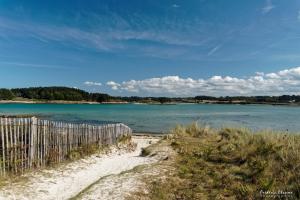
(230, 164)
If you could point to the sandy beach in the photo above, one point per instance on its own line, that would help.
(69, 180)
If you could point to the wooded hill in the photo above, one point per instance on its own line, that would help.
(53, 93)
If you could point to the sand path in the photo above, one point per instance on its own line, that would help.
(67, 181)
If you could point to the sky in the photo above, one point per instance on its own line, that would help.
(152, 47)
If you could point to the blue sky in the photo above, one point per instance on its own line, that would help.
(152, 47)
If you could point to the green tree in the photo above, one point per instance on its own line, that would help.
(6, 94)
(163, 100)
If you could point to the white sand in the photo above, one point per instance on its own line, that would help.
(67, 181)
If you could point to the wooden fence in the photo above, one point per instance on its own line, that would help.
(27, 143)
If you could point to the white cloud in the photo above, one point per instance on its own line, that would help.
(113, 85)
(32, 65)
(283, 82)
(268, 7)
(260, 73)
(108, 39)
(175, 6)
(91, 83)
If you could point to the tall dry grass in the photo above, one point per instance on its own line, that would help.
(231, 163)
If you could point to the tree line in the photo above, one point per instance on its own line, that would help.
(74, 94)
(53, 93)
(252, 99)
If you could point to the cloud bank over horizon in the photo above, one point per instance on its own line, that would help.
(277, 83)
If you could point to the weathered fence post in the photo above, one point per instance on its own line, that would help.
(32, 140)
(3, 147)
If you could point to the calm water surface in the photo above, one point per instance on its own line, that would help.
(160, 118)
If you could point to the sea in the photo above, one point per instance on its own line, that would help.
(162, 118)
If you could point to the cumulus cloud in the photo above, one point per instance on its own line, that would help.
(283, 82)
(113, 85)
(91, 83)
(268, 7)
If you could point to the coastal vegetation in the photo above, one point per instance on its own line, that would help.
(59, 93)
(228, 163)
(73, 94)
(251, 99)
(6, 94)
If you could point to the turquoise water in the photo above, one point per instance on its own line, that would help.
(160, 118)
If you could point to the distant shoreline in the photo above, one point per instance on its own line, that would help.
(56, 102)
(141, 103)
(66, 95)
